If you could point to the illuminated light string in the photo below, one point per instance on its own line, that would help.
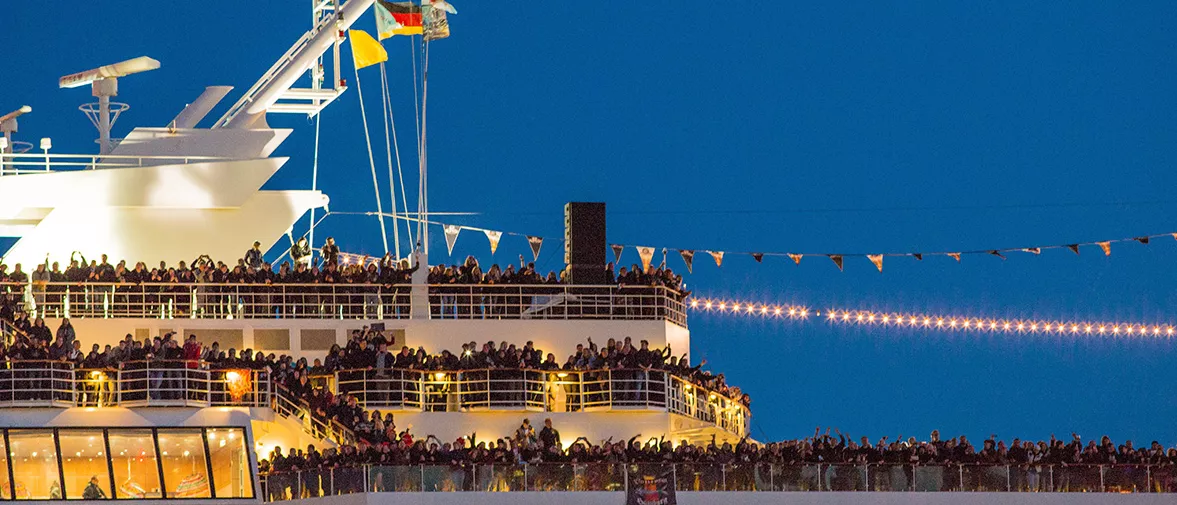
(940, 322)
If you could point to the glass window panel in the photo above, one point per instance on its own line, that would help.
(136, 471)
(34, 464)
(83, 457)
(5, 487)
(230, 461)
(185, 472)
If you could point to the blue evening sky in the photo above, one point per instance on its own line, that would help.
(775, 126)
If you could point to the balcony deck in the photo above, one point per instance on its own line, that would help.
(353, 301)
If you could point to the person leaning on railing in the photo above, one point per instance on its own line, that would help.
(390, 272)
(840, 457)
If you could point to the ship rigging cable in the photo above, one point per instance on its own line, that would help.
(423, 231)
(385, 108)
(391, 119)
(371, 160)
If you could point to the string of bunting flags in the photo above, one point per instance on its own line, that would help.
(688, 255)
(646, 253)
(492, 236)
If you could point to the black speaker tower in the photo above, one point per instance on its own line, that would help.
(584, 242)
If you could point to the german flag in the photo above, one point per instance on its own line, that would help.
(397, 18)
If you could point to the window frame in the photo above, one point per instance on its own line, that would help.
(247, 441)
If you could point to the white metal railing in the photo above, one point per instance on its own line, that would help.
(707, 476)
(541, 391)
(31, 163)
(556, 301)
(159, 383)
(287, 405)
(352, 301)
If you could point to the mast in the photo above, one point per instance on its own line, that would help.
(321, 10)
(277, 83)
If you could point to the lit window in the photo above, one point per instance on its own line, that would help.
(136, 472)
(7, 486)
(185, 472)
(83, 458)
(230, 461)
(34, 465)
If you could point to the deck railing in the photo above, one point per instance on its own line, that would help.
(765, 477)
(40, 163)
(180, 383)
(157, 383)
(287, 405)
(351, 301)
(542, 391)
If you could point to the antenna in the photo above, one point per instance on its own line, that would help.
(8, 126)
(104, 84)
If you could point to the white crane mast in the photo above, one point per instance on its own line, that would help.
(277, 83)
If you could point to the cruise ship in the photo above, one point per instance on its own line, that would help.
(151, 427)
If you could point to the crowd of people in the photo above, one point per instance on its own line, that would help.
(380, 442)
(368, 354)
(250, 286)
(822, 461)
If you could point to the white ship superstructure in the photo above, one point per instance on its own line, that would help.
(174, 191)
(161, 431)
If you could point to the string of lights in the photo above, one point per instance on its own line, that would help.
(934, 322)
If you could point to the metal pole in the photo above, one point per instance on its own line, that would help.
(104, 124)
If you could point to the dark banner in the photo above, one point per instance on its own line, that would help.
(651, 485)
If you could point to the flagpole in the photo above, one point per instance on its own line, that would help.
(424, 156)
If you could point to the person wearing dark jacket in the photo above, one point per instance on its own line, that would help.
(253, 257)
(330, 252)
(93, 491)
(549, 436)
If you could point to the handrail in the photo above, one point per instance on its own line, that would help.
(12, 163)
(321, 429)
(359, 300)
(527, 389)
(47, 383)
(700, 476)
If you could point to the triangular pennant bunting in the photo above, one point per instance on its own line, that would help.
(1142, 240)
(1107, 248)
(759, 257)
(955, 256)
(877, 259)
(795, 257)
(536, 243)
(997, 253)
(493, 237)
(688, 257)
(1174, 236)
(837, 260)
(617, 250)
(718, 255)
(646, 254)
(1033, 250)
(1074, 248)
(918, 256)
(451, 237)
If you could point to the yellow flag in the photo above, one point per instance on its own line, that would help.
(365, 51)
